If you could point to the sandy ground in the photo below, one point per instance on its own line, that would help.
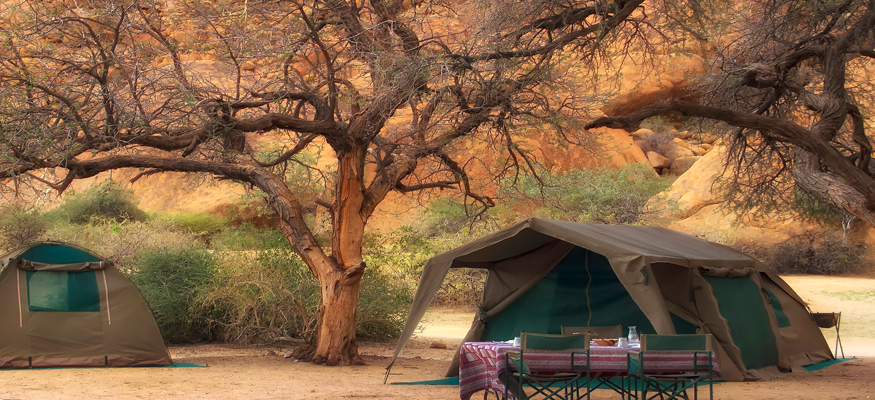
(262, 372)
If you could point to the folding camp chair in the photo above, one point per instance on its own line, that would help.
(830, 320)
(604, 332)
(553, 385)
(670, 385)
(599, 332)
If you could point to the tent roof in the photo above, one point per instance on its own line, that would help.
(656, 244)
(52, 255)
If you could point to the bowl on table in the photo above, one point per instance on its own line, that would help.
(605, 342)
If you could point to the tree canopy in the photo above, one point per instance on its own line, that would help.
(394, 88)
(794, 79)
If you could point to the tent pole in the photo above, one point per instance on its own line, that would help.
(18, 280)
(106, 295)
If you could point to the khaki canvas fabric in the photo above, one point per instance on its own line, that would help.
(122, 333)
(658, 267)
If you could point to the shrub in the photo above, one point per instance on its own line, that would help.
(662, 139)
(263, 292)
(247, 237)
(814, 254)
(199, 223)
(605, 195)
(122, 242)
(104, 201)
(20, 225)
(260, 297)
(463, 287)
(384, 302)
(172, 282)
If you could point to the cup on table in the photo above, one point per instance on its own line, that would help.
(623, 342)
(517, 342)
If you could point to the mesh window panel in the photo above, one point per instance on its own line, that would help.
(62, 291)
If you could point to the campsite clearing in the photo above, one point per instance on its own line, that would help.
(256, 373)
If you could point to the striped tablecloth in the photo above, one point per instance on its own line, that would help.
(481, 362)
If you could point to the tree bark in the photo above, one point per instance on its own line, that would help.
(809, 176)
(340, 282)
(336, 343)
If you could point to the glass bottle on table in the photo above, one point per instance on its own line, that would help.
(633, 337)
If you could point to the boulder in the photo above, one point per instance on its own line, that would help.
(676, 152)
(658, 160)
(681, 143)
(698, 149)
(641, 134)
(682, 164)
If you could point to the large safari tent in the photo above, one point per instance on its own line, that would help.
(543, 274)
(62, 306)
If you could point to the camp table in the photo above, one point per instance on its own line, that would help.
(482, 362)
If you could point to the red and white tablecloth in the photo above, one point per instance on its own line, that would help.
(481, 362)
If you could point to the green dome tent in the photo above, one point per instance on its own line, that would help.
(544, 274)
(62, 306)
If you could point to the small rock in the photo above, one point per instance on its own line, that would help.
(698, 150)
(437, 345)
(287, 355)
(681, 143)
(684, 135)
(658, 160)
(270, 353)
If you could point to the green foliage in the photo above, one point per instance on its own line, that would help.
(604, 195)
(259, 296)
(384, 302)
(199, 223)
(813, 209)
(248, 237)
(104, 201)
(445, 215)
(172, 281)
(394, 264)
(122, 242)
(20, 225)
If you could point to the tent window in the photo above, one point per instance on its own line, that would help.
(780, 316)
(62, 291)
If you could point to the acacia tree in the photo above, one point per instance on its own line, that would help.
(392, 87)
(794, 78)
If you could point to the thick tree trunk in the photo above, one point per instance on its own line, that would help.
(336, 343)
